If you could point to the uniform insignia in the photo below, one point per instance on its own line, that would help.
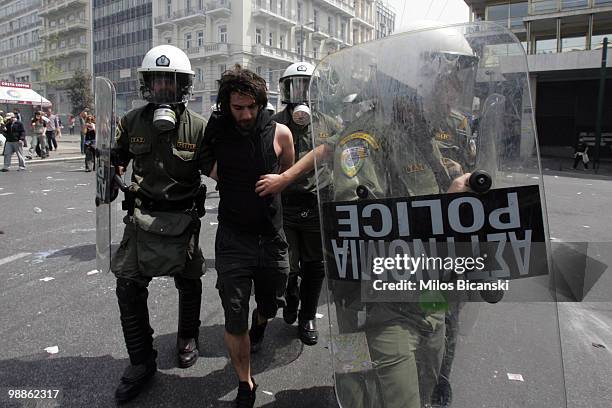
(356, 147)
(162, 61)
(302, 68)
(137, 139)
(414, 167)
(442, 135)
(323, 135)
(190, 147)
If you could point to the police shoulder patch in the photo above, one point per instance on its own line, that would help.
(442, 135)
(137, 139)
(355, 149)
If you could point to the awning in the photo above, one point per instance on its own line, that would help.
(22, 96)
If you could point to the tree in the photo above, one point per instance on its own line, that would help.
(79, 92)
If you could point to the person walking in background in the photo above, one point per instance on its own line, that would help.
(52, 126)
(82, 122)
(90, 143)
(581, 155)
(39, 138)
(15, 141)
(71, 122)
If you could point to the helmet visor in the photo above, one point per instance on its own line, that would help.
(165, 87)
(294, 89)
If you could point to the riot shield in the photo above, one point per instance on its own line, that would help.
(105, 140)
(439, 282)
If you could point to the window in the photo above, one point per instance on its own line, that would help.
(198, 74)
(258, 36)
(83, 39)
(187, 40)
(223, 34)
(271, 39)
(168, 40)
(188, 5)
(200, 38)
(343, 32)
(546, 45)
(299, 47)
(281, 42)
(316, 19)
(222, 68)
(62, 44)
(168, 8)
(258, 70)
(330, 24)
(300, 6)
(315, 52)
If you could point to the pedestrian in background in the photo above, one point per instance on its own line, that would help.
(15, 141)
(71, 121)
(39, 138)
(581, 155)
(52, 126)
(82, 121)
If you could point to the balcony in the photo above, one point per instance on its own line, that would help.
(190, 16)
(320, 33)
(67, 26)
(69, 50)
(342, 7)
(218, 8)
(278, 54)
(363, 22)
(262, 10)
(53, 6)
(209, 50)
(181, 16)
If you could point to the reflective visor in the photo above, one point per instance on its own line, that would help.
(294, 89)
(165, 87)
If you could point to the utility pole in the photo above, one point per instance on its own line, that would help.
(600, 102)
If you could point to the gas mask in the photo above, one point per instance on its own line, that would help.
(301, 114)
(164, 118)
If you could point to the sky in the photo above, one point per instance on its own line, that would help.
(448, 11)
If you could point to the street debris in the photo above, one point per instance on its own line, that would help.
(515, 377)
(37, 210)
(319, 316)
(597, 345)
(47, 279)
(52, 350)
(93, 272)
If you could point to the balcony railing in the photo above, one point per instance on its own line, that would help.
(341, 5)
(50, 6)
(68, 25)
(49, 53)
(552, 6)
(263, 7)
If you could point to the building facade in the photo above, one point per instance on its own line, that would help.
(65, 48)
(563, 40)
(385, 19)
(122, 35)
(20, 44)
(263, 35)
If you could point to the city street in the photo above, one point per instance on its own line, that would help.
(60, 323)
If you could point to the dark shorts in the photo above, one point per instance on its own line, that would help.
(243, 259)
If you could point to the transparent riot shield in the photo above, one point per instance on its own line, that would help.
(105, 140)
(434, 223)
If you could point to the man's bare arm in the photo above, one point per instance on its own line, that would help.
(276, 183)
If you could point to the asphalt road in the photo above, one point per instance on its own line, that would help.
(53, 296)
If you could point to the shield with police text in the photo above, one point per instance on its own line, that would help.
(434, 225)
(105, 140)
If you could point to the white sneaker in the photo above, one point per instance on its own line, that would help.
(21, 168)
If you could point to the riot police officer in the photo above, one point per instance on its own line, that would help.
(165, 200)
(300, 208)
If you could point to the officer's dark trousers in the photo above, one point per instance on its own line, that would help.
(302, 228)
(132, 297)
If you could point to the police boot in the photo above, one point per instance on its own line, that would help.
(190, 298)
(310, 289)
(290, 311)
(138, 334)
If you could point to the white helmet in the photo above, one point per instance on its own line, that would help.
(165, 76)
(294, 83)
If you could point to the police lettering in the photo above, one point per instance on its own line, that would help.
(463, 215)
